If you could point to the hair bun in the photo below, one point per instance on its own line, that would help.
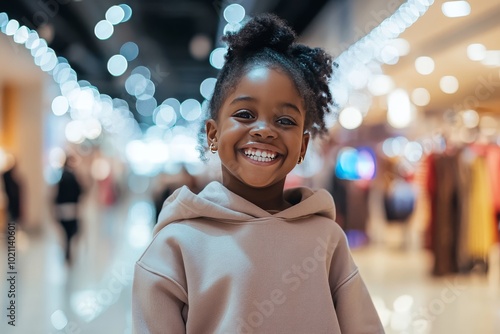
(262, 31)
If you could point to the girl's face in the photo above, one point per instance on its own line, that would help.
(260, 131)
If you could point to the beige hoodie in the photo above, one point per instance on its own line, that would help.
(220, 264)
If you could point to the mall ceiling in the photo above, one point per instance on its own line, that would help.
(162, 29)
(444, 39)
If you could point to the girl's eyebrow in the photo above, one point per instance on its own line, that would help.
(252, 99)
(242, 98)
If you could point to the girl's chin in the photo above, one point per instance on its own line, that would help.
(258, 182)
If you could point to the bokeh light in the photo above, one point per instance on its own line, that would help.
(424, 65)
(350, 118)
(103, 29)
(115, 15)
(234, 13)
(117, 65)
(129, 50)
(448, 84)
(217, 57)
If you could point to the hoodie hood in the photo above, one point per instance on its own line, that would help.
(216, 202)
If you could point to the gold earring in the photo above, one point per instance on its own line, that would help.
(301, 159)
(213, 148)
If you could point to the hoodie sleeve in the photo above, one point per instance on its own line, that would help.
(157, 303)
(354, 307)
(159, 293)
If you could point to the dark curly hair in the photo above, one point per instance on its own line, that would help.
(267, 40)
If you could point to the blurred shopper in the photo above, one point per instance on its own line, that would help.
(12, 188)
(67, 198)
(166, 188)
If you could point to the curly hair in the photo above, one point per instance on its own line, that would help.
(268, 41)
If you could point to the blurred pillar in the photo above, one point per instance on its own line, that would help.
(21, 133)
(7, 119)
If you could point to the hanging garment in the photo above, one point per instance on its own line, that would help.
(482, 229)
(445, 214)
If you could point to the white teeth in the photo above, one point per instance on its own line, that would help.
(259, 155)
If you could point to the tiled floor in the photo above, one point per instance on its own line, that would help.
(411, 301)
(93, 296)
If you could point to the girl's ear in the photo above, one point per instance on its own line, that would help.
(211, 130)
(305, 142)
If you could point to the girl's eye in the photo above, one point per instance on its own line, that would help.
(286, 121)
(243, 114)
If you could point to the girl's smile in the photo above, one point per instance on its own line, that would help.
(261, 154)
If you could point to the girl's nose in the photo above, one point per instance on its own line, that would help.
(263, 130)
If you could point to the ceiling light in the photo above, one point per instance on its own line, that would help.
(401, 45)
(165, 116)
(59, 320)
(424, 65)
(129, 50)
(127, 11)
(387, 147)
(146, 107)
(4, 19)
(207, 87)
(190, 110)
(60, 105)
(74, 132)
(399, 113)
(48, 60)
(455, 8)
(448, 84)
(380, 85)
(21, 35)
(217, 59)
(358, 77)
(115, 14)
(476, 51)
(389, 55)
(103, 29)
(11, 27)
(117, 65)
(491, 58)
(470, 118)
(350, 118)
(234, 13)
(421, 97)
(413, 151)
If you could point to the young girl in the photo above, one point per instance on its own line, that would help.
(245, 256)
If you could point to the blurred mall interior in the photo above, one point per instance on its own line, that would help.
(108, 98)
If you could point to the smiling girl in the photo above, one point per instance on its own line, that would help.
(244, 255)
